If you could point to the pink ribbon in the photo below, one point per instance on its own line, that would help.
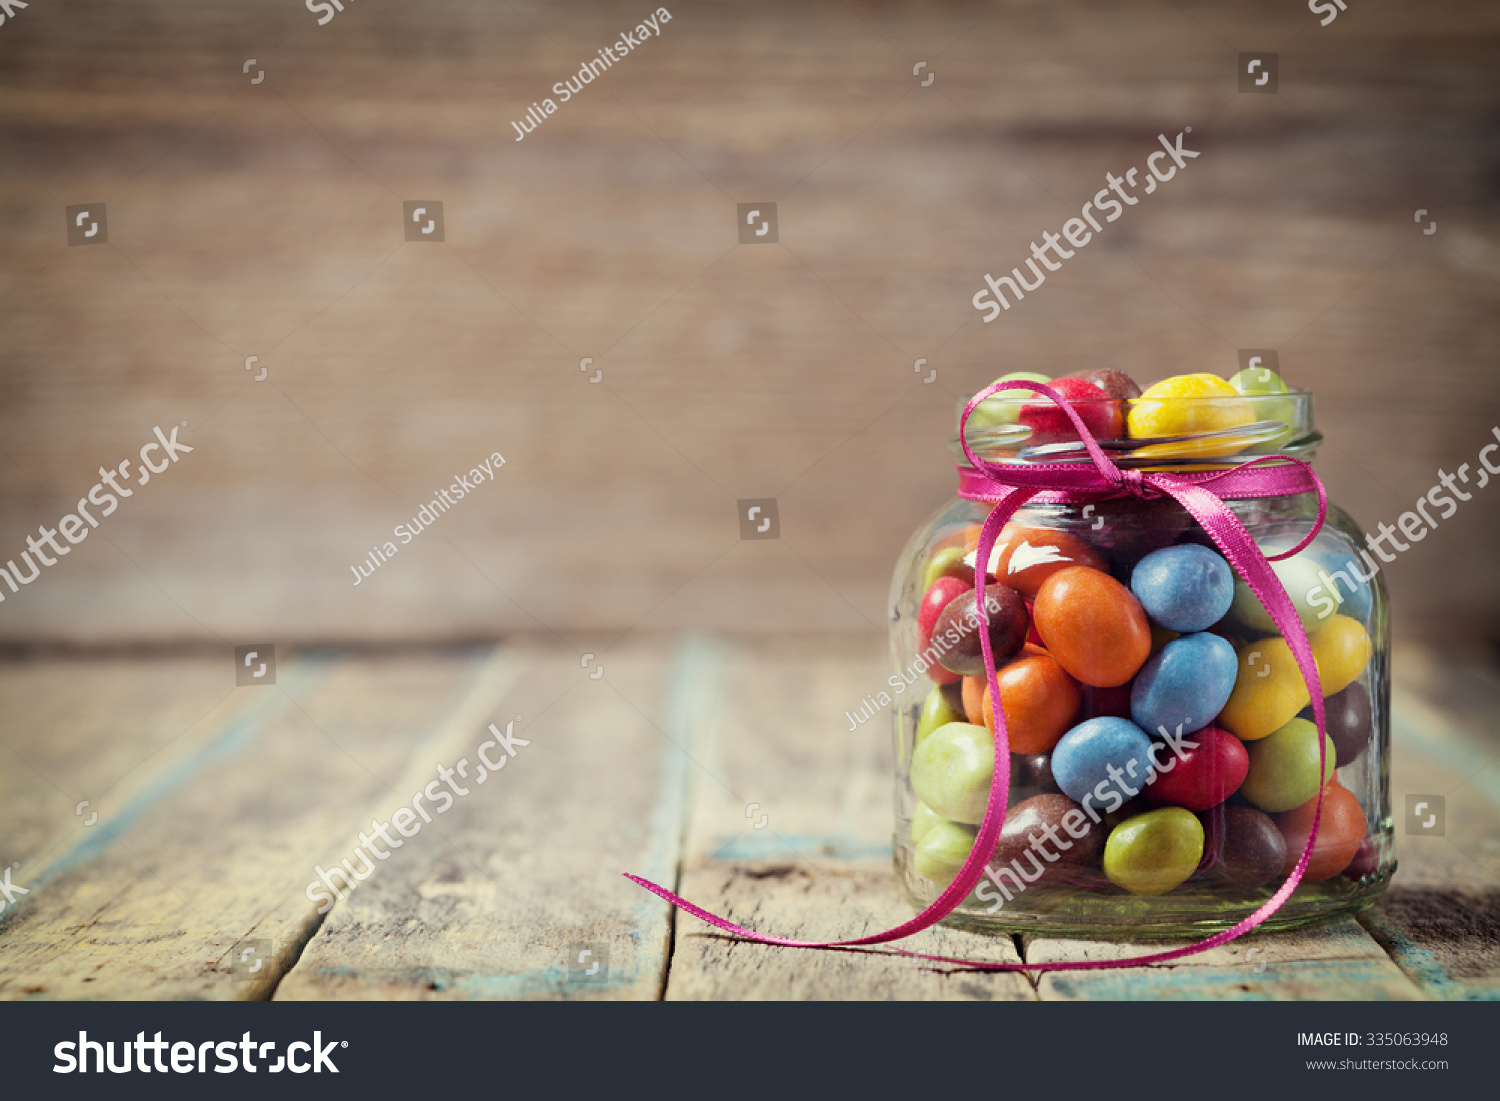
(1010, 485)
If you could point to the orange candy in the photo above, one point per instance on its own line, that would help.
(1040, 701)
(1092, 625)
(1029, 556)
(1340, 831)
(974, 691)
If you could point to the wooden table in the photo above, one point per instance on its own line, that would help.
(722, 766)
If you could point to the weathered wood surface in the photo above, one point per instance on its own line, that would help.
(213, 847)
(501, 896)
(790, 833)
(215, 803)
(264, 220)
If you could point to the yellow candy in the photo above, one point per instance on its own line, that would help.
(1268, 691)
(1177, 406)
(1342, 649)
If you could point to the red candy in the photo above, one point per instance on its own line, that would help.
(942, 592)
(1049, 424)
(1202, 777)
(1093, 626)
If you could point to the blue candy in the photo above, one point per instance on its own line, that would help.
(1081, 761)
(1185, 589)
(1188, 682)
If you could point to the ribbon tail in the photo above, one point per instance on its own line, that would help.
(994, 816)
(1230, 536)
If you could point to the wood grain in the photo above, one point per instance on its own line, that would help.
(772, 742)
(263, 220)
(214, 850)
(501, 897)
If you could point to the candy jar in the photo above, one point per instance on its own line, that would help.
(1164, 760)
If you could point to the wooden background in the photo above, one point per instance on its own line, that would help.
(266, 220)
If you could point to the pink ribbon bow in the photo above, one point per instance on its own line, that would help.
(1010, 485)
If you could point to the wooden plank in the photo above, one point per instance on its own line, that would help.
(525, 875)
(94, 729)
(764, 726)
(1440, 921)
(1333, 961)
(214, 848)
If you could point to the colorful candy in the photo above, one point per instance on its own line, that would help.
(1250, 849)
(1005, 407)
(1298, 576)
(1040, 703)
(942, 851)
(1342, 649)
(1053, 828)
(1093, 626)
(1186, 404)
(1185, 589)
(1029, 555)
(952, 769)
(1186, 685)
(956, 629)
(942, 592)
(1260, 385)
(1350, 722)
(1117, 384)
(948, 562)
(1340, 831)
(1210, 769)
(1284, 767)
(1154, 852)
(922, 820)
(1049, 424)
(1102, 760)
(939, 709)
(1268, 690)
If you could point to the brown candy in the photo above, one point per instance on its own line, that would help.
(954, 630)
(1031, 774)
(1366, 860)
(1034, 830)
(1350, 722)
(1117, 384)
(1250, 849)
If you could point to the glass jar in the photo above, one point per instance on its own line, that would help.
(1154, 854)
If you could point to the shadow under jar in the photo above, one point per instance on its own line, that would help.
(1164, 765)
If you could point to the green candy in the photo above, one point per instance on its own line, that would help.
(1284, 767)
(948, 562)
(951, 771)
(943, 850)
(1005, 408)
(937, 710)
(1299, 576)
(922, 821)
(1261, 384)
(1154, 852)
